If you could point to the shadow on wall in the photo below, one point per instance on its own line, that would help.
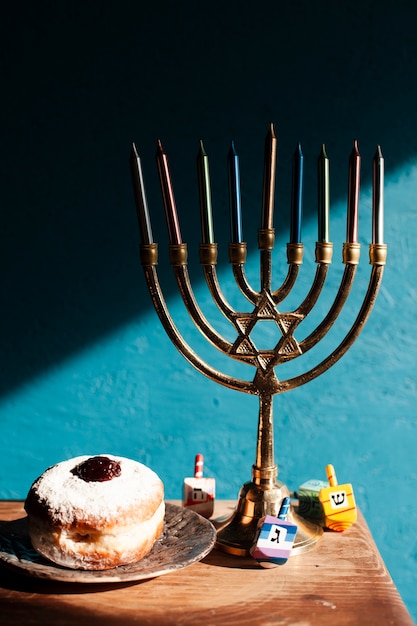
(83, 82)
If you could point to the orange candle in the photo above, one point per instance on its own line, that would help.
(269, 179)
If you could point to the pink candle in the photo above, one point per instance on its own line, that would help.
(174, 231)
(353, 194)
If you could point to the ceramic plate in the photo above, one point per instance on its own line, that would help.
(187, 537)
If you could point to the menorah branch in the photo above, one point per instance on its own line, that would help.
(178, 261)
(208, 260)
(237, 257)
(149, 261)
(351, 254)
(352, 335)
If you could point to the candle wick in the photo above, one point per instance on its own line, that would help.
(202, 149)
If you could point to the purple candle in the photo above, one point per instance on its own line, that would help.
(378, 197)
(140, 197)
(353, 194)
(174, 231)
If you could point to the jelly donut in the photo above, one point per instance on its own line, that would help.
(95, 513)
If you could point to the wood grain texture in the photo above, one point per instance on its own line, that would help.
(342, 581)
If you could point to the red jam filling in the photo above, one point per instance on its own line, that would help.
(97, 469)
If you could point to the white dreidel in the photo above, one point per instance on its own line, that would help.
(199, 492)
(274, 538)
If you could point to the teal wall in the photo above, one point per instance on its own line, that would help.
(85, 366)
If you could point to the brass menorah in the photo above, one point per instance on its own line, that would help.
(263, 495)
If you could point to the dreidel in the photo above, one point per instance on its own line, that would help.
(339, 506)
(312, 487)
(199, 492)
(274, 538)
(309, 505)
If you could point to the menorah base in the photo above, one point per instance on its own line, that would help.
(237, 534)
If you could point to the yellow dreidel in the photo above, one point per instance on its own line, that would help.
(338, 502)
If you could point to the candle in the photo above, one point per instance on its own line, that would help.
(140, 197)
(297, 195)
(168, 196)
(234, 196)
(269, 179)
(323, 166)
(378, 197)
(353, 194)
(207, 231)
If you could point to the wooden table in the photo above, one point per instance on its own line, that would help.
(342, 581)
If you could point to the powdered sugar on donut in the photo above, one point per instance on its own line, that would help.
(68, 497)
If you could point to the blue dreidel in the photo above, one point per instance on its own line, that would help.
(274, 538)
(199, 492)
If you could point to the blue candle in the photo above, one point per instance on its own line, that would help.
(234, 196)
(297, 195)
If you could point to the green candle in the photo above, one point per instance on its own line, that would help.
(207, 229)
